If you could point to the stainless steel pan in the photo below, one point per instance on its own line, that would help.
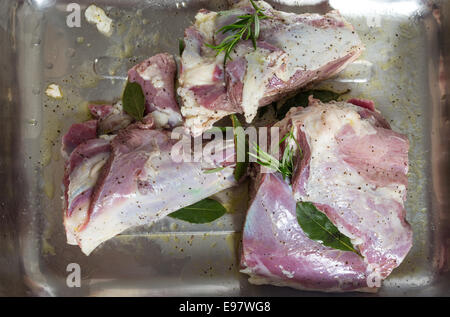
(403, 70)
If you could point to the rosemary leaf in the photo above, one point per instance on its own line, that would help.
(213, 170)
(246, 27)
(286, 166)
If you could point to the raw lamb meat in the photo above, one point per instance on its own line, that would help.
(276, 251)
(132, 180)
(120, 174)
(354, 169)
(292, 51)
(156, 76)
(77, 134)
(111, 118)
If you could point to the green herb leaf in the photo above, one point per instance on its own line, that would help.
(133, 101)
(316, 225)
(235, 121)
(286, 166)
(241, 167)
(301, 100)
(246, 27)
(327, 95)
(265, 159)
(181, 46)
(204, 211)
(213, 170)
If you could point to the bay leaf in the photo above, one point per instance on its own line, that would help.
(316, 225)
(204, 211)
(133, 101)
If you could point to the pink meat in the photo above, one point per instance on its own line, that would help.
(276, 250)
(381, 158)
(111, 118)
(138, 183)
(288, 53)
(77, 188)
(368, 104)
(301, 171)
(77, 134)
(156, 76)
(369, 208)
(211, 94)
(235, 73)
(101, 111)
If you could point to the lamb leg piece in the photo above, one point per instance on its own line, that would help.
(292, 51)
(276, 251)
(134, 180)
(353, 168)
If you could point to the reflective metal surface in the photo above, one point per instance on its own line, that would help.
(403, 70)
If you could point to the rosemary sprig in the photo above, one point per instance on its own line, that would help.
(246, 27)
(286, 166)
(213, 170)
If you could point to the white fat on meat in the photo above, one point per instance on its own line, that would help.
(336, 184)
(198, 70)
(261, 66)
(310, 47)
(303, 48)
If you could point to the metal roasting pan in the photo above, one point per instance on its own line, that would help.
(403, 69)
